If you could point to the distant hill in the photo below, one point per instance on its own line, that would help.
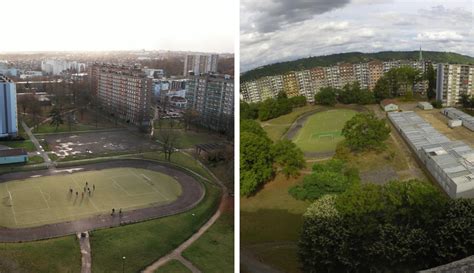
(352, 57)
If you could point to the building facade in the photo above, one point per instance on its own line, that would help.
(8, 108)
(200, 64)
(454, 80)
(123, 91)
(212, 96)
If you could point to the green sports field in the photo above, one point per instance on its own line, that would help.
(47, 199)
(321, 132)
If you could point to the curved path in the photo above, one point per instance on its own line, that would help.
(193, 192)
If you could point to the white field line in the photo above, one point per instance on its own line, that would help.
(44, 198)
(120, 187)
(11, 201)
(154, 189)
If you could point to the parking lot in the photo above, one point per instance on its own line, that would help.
(110, 142)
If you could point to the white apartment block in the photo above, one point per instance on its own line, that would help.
(453, 80)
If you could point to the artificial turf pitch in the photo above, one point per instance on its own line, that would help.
(321, 132)
(47, 199)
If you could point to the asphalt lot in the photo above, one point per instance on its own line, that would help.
(114, 141)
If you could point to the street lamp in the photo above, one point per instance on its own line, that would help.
(123, 264)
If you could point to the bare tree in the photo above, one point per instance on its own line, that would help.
(168, 141)
(189, 117)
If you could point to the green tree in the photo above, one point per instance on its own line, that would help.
(381, 89)
(403, 226)
(431, 78)
(298, 101)
(255, 162)
(330, 177)
(326, 96)
(56, 117)
(248, 110)
(365, 131)
(288, 157)
(252, 126)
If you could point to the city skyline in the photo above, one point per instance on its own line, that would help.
(177, 26)
(289, 30)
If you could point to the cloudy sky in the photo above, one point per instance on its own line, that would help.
(52, 25)
(281, 30)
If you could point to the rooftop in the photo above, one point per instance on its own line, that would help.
(454, 158)
(467, 120)
(12, 152)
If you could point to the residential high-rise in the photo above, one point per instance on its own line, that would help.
(200, 64)
(305, 84)
(375, 73)
(361, 71)
(123, 91)
(8, 112)
(212, 96)
(454, 80)
(290, 85)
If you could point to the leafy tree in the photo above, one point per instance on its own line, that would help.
(267, 110)
(381, 89)
(252, 126)
(437, 104)
(56, 117)
(352, 93)
(288, 157)
(365, 131)
(298, 101)
(431, 78)
(466, 101)
(403, 226)
(255, 162)
(248, 110)
(326, 96)
(327, 178)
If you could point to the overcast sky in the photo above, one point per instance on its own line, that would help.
(51, 25)
(281, 30)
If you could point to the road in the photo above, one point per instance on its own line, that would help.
(50, 164)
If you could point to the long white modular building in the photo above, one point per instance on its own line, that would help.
(451, 163)
(453, 113)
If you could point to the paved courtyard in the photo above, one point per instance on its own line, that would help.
(71, 144)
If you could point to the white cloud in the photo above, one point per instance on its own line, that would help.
(441, 36)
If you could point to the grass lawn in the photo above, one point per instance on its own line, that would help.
(218, 241)
(143, 243)
(277, 127)
(47, 128)
(173, 266)
(55, 255)
(36, 159)
(44, 200)
(25, 144)
(321, 132)
(187, 139)
(272, 216)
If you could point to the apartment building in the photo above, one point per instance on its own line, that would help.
(200, 64)
(290, 85)
(309, 82)
(8, 108)
(361, 74)
(212, 96)
(305, 84)
(375, 73)
(125, 92)
(454, 80)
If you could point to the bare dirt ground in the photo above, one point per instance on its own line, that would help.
(440, 123)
